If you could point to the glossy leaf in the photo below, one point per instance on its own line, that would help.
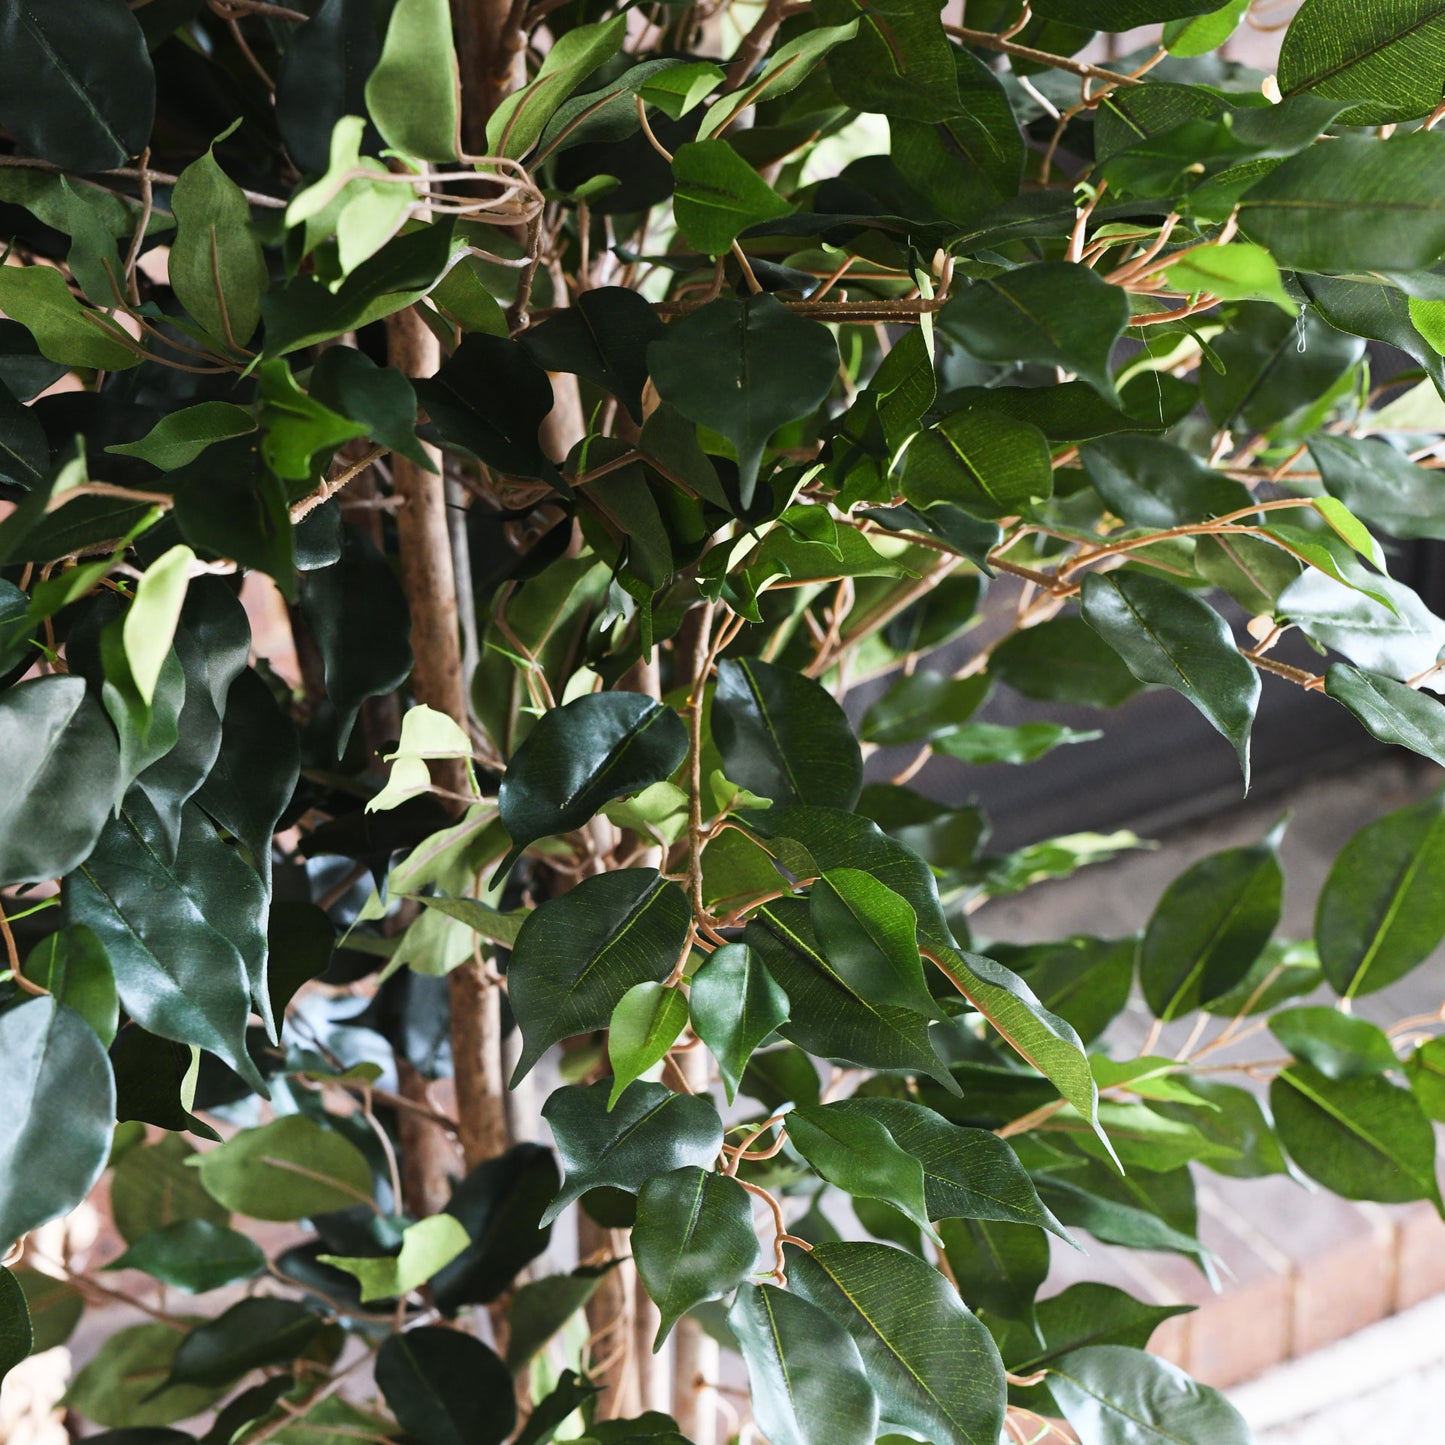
(933, 1365)
(582, 755)
(1208, 928)
(645, 1025)
(807, 1378)
(286, 1169)
(1362, 1138)
(55, 1136)
(193, 1255)
(1114, 1395)
(735, 1005)
(650, 1131)
(693, 1240)
(1400, 639)
(921, 705)
(1063, 660)
(254, 1333)
(988, 463)
(744, 368)
(1168, 637)
(16, 1335)
(1337, 1045)
(578, 955)
(446, 1387)
(869, 935)
(782, 736)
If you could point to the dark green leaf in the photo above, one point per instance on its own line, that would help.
(249, 1335)
(1120, 14)
(982, 460)
(1208, 928)
(322, 77)
(542, 1306)
(378, 399)
(77, 82)
(933, 1365)
(570, 1392)
(287, 1169)
(155, 1081)
(744, 368)
(582, 755)
(64, 773)
(501, 1203)
(651, 1131)
(1383, 55)
(446, 1387)
(923, 704)
(1337, 1045)
(1378, 484)
(693, 1240)
(1235, 1120)
(984, 743)
(1362, 1138)
(735, 1005)
(782, 736)
(183, 936)
(1150, 483)
(602, 337)
(1085, 981)
(55, 1307)
(869, 935)
(193, 1255)
(24, 451)
(55, 1132)
(1168, 637)
(1114, 1395)
(1063, 660)
(900, 63)
(16, 1335)
(578, 954)
(1050, 312)
(1380, 913)
(999, 1267)
(808, 1384)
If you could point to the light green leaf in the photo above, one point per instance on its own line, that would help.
(287, 1169)
(717, 195)
(414, 93)
(65, 331)
(426, 1247)
(645, 1025)
(181, 436)
(1236, 271)
(150, 622)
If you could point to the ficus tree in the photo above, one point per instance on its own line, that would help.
(557, 956)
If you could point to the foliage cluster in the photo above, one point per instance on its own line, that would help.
(607, 391)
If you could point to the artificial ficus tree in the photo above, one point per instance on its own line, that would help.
(606, 393)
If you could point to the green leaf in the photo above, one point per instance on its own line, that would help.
(650, 1131)
(55, 1133)
(216, 266)
(1353, 205)
(183, 935)
(967, 1173)
(735, 1004)
(1154, 484)
(1063, 660)
(446, 1387)
(830, 1017)
(1390, 710)
(1235, 271)
(1393, 633)
(1381, 55)
(1208, 928)
(869, 936)
(16, 1335)
(152, 618)
(1374, 481)
(1168, 637)
(154, 1186)
(298, 433)
(193, 1255)
(857, 1154)
(77, 84)
(933, 1365)
(322, 78)
(427, 1247)
(999, 1267)
(288, 1169)
(582, 755)
(983, 743)
(1425, 1069)
(693, 1240)
(923, 704)
(72, 965)
(981, 460)
(55, 1308)
(1114, 1395)
(900, 64)
(743, 368)
(808, 1384)
(602, 337)
(1203, 33)
(252, 1334)
(1085, 981)
(65, 331)
(782, 736)
(718, 195)
(1380, 913)
(518, 122)
(1362, 1138)
(1339, 1046)
(550, 1413)
(645, 1025)
(124, 1385)
(1119, 14)
(1049, 312)
(413, 94)
(181, 436)
(578, 955)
